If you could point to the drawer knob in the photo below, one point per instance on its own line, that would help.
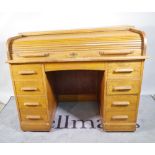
(125, 70)
(33, 117)
(120, 117)
(121, 103)
(33, 55)
(122, 88)
(29, 89)
(115, 52)
(31, 103)
(26, 72)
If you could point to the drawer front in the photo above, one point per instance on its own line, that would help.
(120, 117)
(29, 87)
(121, 102)
(34, 115)
(26, 72)
(32, 102)
(123, 86)
(75, 53)
(120, 126)
(124, 69)
(35, 126)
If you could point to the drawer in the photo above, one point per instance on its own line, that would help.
(124, 69)
(121, 102)
(32, 102)
(120, 117)
(26, 72)
(34, 115)
(58, 54)
(120, 127)
(35, 126)
(29, 87)
(123, 86)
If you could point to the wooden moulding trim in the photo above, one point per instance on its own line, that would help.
(144, 42)
(122, 88)
(33, 55)
(31, 104)
(74, 31)
(33, 117)
(124, 70)
(26, 72)
(120, 117)
(80, 60)
(28, 89)
(120, 103)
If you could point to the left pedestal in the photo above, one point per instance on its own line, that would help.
(34, 97)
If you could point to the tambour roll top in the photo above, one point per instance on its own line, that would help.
(103, 44)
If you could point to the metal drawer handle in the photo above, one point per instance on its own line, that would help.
(123, 103)
(31, 104)
(114, 52)
(28, 88)
(120, 117)
(34, 55)
(125, 70)
(26, 72)
(122, 88)
(33, 117)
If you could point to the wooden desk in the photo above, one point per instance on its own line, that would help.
(105, 65)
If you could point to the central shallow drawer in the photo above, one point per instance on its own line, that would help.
(29, 87)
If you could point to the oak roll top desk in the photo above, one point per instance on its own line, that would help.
(103, 64)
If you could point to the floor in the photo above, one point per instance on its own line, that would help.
(68, 125)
